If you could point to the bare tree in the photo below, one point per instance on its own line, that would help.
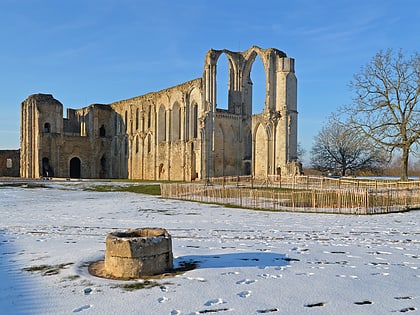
(386, 103)
(338, 149)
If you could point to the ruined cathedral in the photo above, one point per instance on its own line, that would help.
(179, 133)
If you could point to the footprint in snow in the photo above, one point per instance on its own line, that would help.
(215, 302)
(269, 310)
(87, 291)
(175, 312)
(230, 273)
(267, 275)
(82, 308)
(365, 302)
(246, 281)
(244, 294)
(163, 299)
(315, 304)
(407, 309)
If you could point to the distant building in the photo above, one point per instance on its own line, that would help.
(175, 134)
(9, 163)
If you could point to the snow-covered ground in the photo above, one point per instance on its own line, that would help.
(250, 262)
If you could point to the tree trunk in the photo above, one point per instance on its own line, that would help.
(404, 163)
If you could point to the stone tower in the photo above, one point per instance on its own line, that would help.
(239, 142)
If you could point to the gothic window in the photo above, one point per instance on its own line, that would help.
(137, 144)
(116, 123)
(137, 119)
(176, 122)
(102, 131)
(161, 124)
(149, 117)
(195, 121)
(149, 143)
(47, 128)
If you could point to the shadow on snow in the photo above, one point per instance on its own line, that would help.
(245, 259)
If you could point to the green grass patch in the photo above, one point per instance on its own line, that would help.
(24, 185)
(146, 284)
(148, 189)
(47, 270)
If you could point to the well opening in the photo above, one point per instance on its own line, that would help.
(136, 253)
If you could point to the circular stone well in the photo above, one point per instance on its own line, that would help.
(138, 252)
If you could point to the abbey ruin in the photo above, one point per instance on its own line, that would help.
(179, 133)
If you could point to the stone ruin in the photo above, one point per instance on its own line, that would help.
(136, 253)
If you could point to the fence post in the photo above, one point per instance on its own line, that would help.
(339, 200)
(293, 201)
(313, 200)
(366, 200)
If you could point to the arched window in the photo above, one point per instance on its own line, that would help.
(161, 124)
(47, 127)
(257, 77)
(195, 121)
(102, 131)
(176, 122)
(223, 82)
(137, 119)
(149, 117)
(149, 143)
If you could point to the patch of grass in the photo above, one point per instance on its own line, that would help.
(24, 185)
(71, 278)
(146, 284)
(148, 189)
(143, 189)
(47, 270)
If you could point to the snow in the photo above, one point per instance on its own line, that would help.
(250, 262)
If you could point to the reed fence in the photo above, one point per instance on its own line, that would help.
(343, 201)
(312, 182)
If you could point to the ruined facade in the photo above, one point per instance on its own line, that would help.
(9, 163)
(175, 134)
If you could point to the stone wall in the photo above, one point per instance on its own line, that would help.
(178, 133)
(9, 163)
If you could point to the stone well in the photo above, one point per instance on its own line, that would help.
(138, 252)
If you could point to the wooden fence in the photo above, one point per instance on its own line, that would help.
(343, 201)
(312, 182)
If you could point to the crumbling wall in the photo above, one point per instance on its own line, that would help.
(9, 163)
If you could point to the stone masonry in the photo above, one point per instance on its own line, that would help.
(175, 134)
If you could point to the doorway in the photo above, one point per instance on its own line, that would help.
(75, 168)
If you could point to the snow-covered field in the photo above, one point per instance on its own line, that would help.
(250, 262)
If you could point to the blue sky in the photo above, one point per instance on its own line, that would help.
(101, 51)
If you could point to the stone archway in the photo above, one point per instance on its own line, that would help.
(75, 168)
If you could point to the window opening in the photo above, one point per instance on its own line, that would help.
(258, 86)
(102, 131)
(222, 83)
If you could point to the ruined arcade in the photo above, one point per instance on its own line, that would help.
(179, 133)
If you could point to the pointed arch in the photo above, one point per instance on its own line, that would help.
(260, 152)
(161, 128)
(176, 122)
